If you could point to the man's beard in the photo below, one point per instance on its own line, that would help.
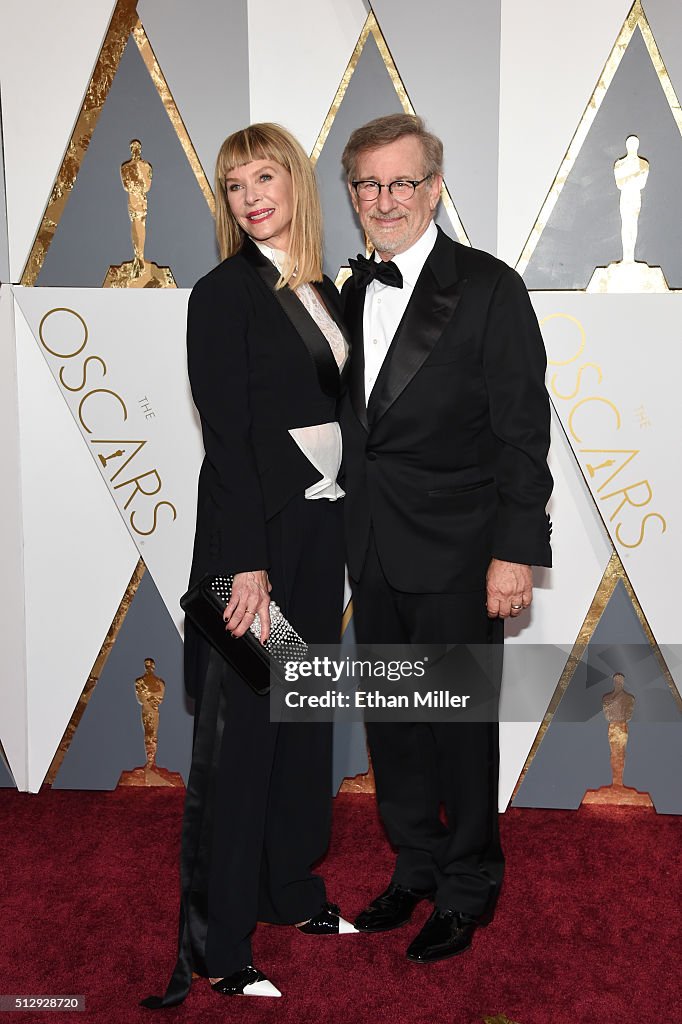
(390, 240)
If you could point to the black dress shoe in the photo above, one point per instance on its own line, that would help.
(390, 910)
(327, 922)
(247, 982)
(445, 934)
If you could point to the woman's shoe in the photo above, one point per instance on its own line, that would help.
(327, 922)
(247, 982)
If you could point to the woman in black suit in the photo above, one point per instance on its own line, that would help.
(265, 357)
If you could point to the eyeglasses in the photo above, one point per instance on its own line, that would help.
(401, 190)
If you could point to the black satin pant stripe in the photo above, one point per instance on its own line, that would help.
(275, 778)
(292, 762)
(195, 877)
(197, 831)
(273, 825)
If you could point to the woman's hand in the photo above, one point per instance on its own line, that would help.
(250, 597)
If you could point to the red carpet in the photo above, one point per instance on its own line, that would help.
(587, 931)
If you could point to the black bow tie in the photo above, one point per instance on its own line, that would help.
(367, 270)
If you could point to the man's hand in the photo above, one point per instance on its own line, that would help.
(250, 597)
(509, 588)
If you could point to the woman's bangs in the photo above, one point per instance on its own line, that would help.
(244, 147)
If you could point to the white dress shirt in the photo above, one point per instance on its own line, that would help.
(385, 305)
(321, 442)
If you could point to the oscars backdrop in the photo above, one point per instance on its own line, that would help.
(563, 142)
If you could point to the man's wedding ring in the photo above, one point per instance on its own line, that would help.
(517, 607)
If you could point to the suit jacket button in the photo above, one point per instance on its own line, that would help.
(371, 456)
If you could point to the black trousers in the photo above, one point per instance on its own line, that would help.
(422, 767)
(273, 785)
(270, 786)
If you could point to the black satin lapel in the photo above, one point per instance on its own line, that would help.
(356, 376)
(310, 334)
(429, 310)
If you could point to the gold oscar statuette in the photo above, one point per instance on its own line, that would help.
(136, 178)
(617, 706)
(150, 689)
(629, 275)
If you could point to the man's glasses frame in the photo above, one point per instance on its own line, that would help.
(401, 189)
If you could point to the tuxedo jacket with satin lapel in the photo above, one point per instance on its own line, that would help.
(447, 462)
(258, 366)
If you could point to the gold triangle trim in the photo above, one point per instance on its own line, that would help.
(96, 672)
(347, 616)
(342, 276)
(594, 613)
(635, 19)
(371, 27)
(124, 23)
(613, 574)
(120, 27)
(157, 77)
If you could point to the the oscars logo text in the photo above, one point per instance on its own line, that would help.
(123, 460)
(624, 495)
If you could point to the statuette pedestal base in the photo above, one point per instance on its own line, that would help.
(621, 278)
(133, 275)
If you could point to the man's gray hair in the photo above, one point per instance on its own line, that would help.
(384, 130)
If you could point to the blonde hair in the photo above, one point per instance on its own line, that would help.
(272, 142)
(384, 130)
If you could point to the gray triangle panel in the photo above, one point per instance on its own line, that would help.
(584, 228)
(211, 38)
(665, 22)
(448, 57)
(370, 94)
(6, 777)
(654, 763)
(350, 742)
(574, 755)
(110, 737)
(94, 231)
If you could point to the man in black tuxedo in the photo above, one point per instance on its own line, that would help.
(445, 432)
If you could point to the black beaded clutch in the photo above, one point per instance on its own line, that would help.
(258, 664)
